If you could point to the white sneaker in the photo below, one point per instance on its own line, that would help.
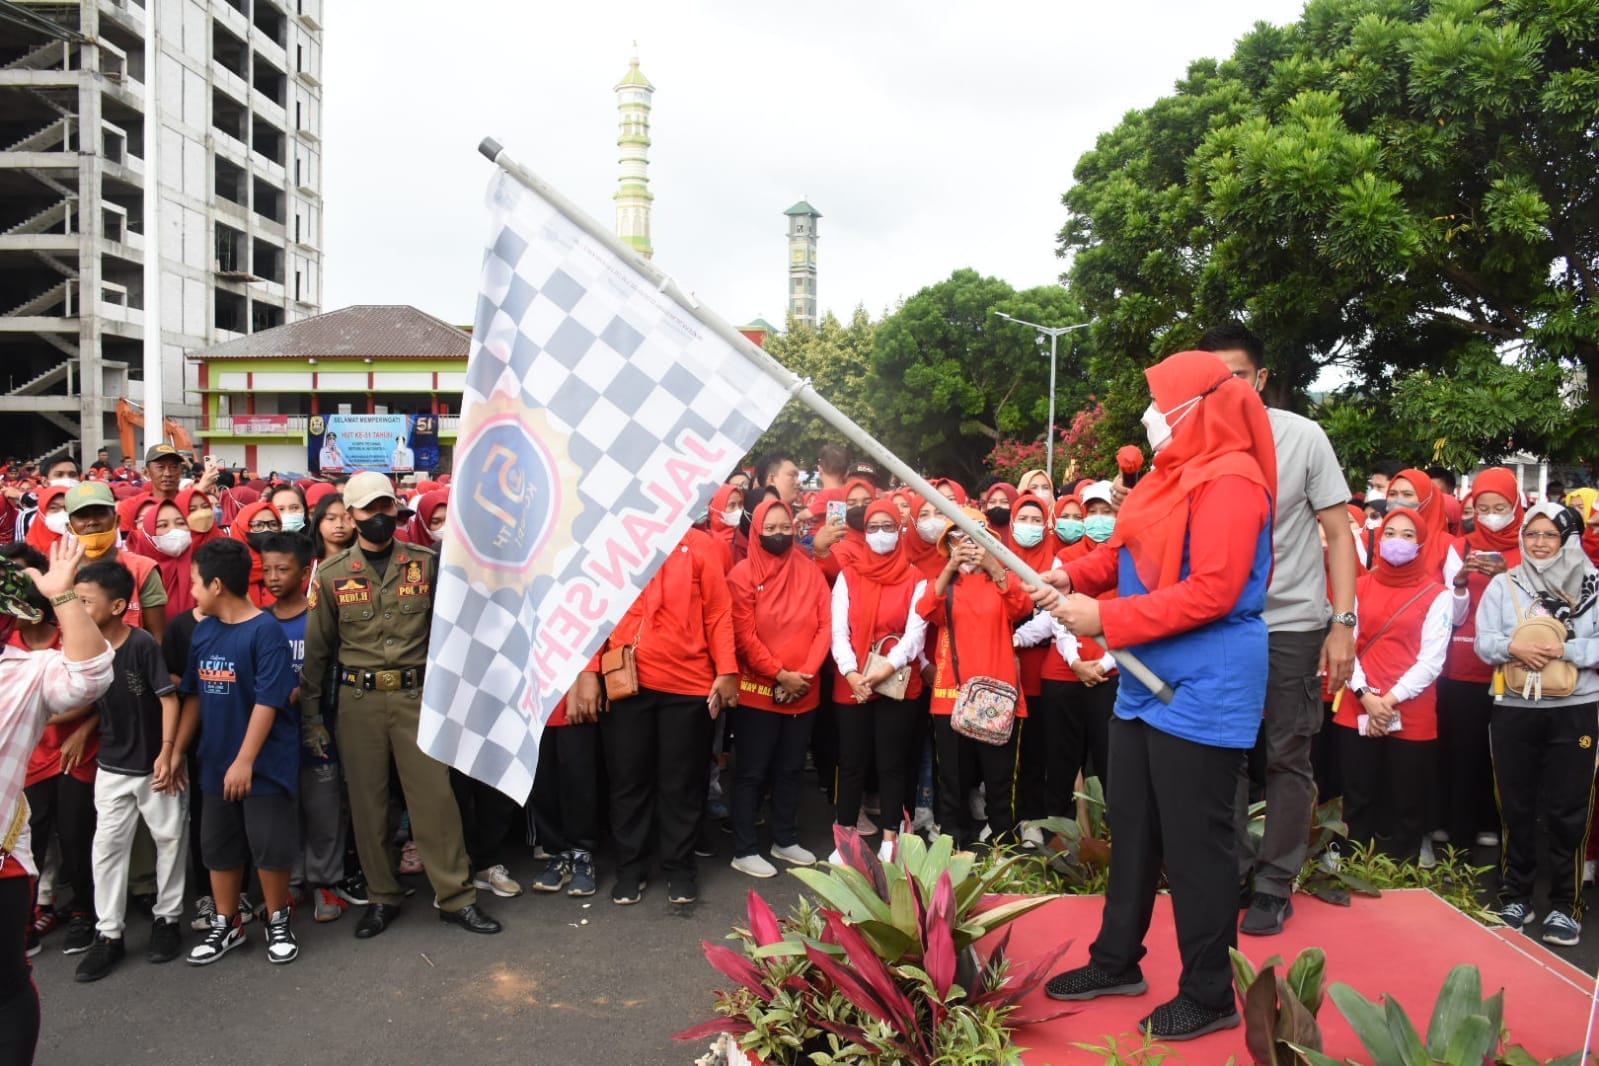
(1487, 840)
(795, 854)
(885, 850)
(1032, 837)
(1428, 860)
(1440, 836)
(497, 879)
(835, 859)
(281, 946)
(222, 937)
(754, 865)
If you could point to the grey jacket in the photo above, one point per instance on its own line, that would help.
(1496, 620)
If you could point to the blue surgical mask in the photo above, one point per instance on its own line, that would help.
(1028, 536)
(1069, 530)
(1099, 527)
(1402, 505)
(293, 521)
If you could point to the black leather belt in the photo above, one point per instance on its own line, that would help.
(382, 680)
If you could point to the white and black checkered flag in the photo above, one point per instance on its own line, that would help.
(600, 415)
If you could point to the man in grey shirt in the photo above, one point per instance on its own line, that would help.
(1311, 493)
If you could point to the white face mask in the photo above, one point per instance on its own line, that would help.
(56, 522)
(293, 521)
(883, 541)
(1373, 523)
(174, 542)
(1495, 522)
(969, 568)
(1158, 425)
(733, 516)
(929, 529)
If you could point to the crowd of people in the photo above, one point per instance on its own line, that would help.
(208, 674)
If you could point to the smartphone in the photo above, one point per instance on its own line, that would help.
(835, 512)
(1497, 557)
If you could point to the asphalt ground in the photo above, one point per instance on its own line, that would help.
(564, 983)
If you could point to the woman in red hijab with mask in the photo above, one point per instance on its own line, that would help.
(1412, 490)
(921, 540)
(1465, 766)
(254, 523)
(874, 603)
(1191, 556)
(1388, 714)
(782, 623)
(1033, 540)
(726, 516)
(426, 526)
(835, 546)
(165, 537)
(51, 522)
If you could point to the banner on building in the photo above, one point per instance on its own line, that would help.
(392, 444)
(259, 425)
(599, 418)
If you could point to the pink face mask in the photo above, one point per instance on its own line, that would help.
(1397, 551)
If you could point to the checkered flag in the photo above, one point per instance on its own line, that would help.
(599, 417)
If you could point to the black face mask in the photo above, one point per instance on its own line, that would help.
(777, 543)
(998, 517)
(379, 529)
(855, 518)
(258, 540)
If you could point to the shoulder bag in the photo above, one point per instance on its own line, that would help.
(1557, 680)
(619, 668)
(985, 707)
(893, 686)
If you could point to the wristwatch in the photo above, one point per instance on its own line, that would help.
(1346, 619)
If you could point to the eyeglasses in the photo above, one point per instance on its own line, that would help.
(1535, 534)
(880, 527)
(265, 527)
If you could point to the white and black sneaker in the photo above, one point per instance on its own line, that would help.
(281, 947)
(224, 935)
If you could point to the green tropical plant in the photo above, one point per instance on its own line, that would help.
(1465, 1030)
(1280, 1008)
(1078, 848)
(1130, 1049)
(1452, 877)
(885, 970)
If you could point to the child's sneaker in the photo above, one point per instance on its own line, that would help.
(329, 907)
(205, 908)
(281, 947)
(1561, 928)
(1517, 914)
(556, 875)
(221, 938)
(582, 883)
(353, 891)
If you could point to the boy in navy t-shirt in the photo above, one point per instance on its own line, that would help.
(285, 567)
(239, 683)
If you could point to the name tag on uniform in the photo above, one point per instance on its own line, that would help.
(414, 590)
(352, 590)
(411, 583)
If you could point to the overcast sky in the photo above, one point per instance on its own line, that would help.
(931, 136)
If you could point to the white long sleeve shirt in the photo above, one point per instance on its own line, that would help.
(1436, 629)
(1042, 627)
(905, 652)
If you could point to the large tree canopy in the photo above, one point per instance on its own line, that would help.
(1385, 185)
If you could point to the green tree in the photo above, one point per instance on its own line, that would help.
(952, 379)
(837, 359)
(1382, 185)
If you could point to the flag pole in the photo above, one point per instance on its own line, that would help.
(798, 388)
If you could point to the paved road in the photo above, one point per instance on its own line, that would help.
(548, 990)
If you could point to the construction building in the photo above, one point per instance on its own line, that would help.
(237, 92)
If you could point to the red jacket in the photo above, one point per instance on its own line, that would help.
(682, 622)
(984, 615)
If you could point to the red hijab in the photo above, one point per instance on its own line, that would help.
(1063, 551)
(955, 486)
(1431, 522)
(723, 533)
(176, 577)
(1503, 482)
(416, 530)
(780, 581)
(920, 554)
(853, 546)
(1226, 432)
(1416, 572)
(128, 513)
(240, 531)
(872, 572)
(39, 534)
(185, 502)
(1041, 557)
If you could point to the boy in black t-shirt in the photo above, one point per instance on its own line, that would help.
(140, 776)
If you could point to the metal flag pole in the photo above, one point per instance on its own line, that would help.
(798, 388)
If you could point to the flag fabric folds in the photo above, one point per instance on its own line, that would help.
(599, 417)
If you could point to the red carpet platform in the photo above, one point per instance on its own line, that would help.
(1402, 945)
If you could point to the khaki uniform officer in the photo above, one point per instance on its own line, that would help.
(371, 612)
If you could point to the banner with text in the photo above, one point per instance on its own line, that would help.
(599, 418)
(392, 444)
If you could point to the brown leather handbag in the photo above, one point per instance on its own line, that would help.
(619, 668)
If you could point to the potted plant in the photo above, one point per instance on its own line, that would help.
(885, 969)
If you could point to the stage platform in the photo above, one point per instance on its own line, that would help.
(1402, 945)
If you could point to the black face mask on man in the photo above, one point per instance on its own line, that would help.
(376, 529)
(777, 543)
(855, 518)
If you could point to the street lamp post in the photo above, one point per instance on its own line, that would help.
(1054, 334)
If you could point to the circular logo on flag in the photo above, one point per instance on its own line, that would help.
(509, 494)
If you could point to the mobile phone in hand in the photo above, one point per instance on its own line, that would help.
(835, 512)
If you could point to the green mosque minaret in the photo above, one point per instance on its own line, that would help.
(633, 195)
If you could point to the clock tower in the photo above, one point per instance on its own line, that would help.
(802, 262)
(633, 196)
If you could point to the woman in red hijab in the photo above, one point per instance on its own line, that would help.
(1388, 713)
(726, 516)
(254, 523)
(1413, 490)
(165, 537)
(51, 521)
(1191, 556)
(950, 488)
(997, 504)
(781, 625)
(921, 540)
(834, 545)
(1033, 540)
(874, 607)
(426, 527)
(1465, 767)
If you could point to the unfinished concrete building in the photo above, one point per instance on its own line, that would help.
(239, 98)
